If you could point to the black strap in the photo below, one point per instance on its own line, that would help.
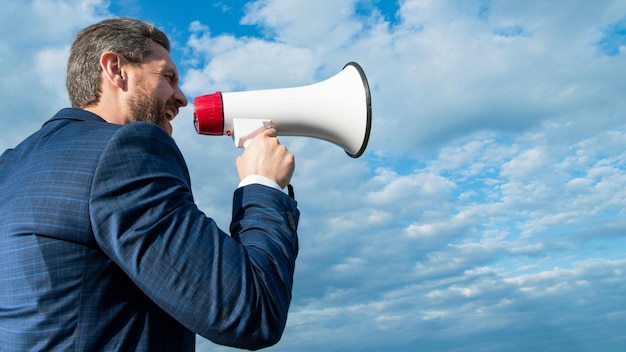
(290, 191)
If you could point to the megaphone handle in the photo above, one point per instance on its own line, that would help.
(245, 129)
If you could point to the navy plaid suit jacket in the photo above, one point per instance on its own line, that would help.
(103, 248)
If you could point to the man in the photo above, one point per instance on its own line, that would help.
(101, 244)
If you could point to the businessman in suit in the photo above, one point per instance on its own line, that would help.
(101, 244)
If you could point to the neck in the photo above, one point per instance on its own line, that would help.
(109, 109)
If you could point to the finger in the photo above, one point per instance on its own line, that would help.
(269, 132)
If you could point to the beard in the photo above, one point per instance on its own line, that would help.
(148, 107)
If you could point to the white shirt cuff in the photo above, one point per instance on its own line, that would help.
(251, 179)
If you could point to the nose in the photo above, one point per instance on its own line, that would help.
(180, 98)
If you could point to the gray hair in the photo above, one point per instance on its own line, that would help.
(130, 38)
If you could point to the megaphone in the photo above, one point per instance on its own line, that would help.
(337, 110)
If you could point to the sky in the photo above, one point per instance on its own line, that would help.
(487, 213)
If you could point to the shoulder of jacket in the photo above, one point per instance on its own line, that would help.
(143, 131)
(147, 136)
(143, 128)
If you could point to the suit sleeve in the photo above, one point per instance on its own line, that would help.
(234, 290)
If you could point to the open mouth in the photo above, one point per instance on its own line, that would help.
(170, 114)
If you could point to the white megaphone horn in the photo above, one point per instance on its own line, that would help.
(337, 110)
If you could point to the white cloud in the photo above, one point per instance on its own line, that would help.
(35, 38)
(442, 72)
(486, 212)
(304, 24)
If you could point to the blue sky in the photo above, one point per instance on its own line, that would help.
(487, 213)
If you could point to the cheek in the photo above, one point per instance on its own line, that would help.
(165, 91)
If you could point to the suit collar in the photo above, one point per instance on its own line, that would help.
(76, 115)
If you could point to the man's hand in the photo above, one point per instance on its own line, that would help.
(265, 156)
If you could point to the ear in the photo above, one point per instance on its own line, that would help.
(113, 69)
